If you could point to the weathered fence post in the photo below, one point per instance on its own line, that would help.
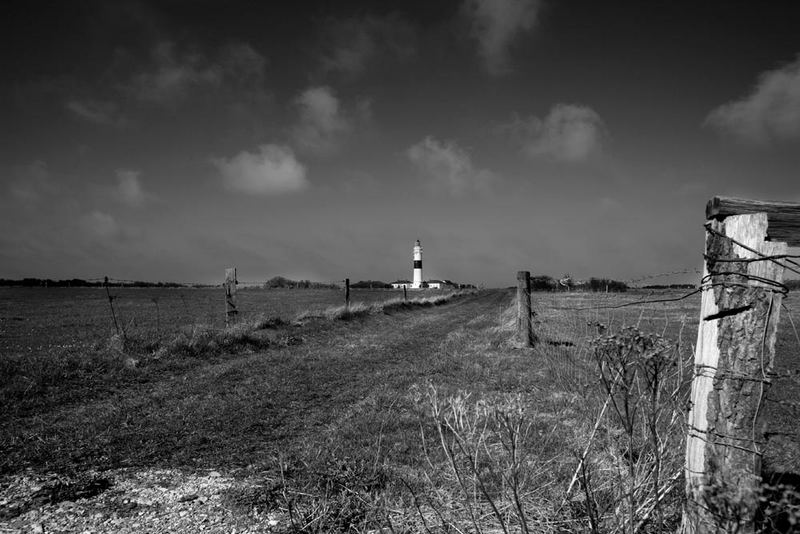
(347, 293)
(405, 293)
(742, 293)
(230, 295)
(524, 328)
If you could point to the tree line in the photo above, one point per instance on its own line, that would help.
(79, 282)
(548, 283)
(281, 282)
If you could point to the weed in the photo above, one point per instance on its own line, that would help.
(641, 376)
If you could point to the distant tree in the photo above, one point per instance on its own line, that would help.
(605, 284)
(370, 284)
(277, 282)
(281, 282)
(542, 282)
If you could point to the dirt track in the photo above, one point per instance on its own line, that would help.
(232, 415)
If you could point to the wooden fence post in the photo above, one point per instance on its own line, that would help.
(524, 328)
(742, 293)
(347, 293)
(405, 293)
(230, 295)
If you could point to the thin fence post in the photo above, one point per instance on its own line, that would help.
(111, 304)
(524, 327)
(739, 314)
(347, 293)
(230, 295)
(405, 293)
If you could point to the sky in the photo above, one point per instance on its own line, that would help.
(168, 140)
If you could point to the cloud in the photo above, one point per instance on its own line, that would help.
(770, 113)
(97, 112)
(242, 64)
(100, 225)
(357, 41)
(495, 23)
(172, 76)
(129, 189)
(323, 124)
(448, 166)
(568, 133)
(32, 182)
(270, 171)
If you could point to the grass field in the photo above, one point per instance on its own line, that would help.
(409, 419)
(53, 319)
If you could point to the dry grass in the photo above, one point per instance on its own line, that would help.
(361, 309)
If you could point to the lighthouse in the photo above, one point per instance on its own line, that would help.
(417, 280)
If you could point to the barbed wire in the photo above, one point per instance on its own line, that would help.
(688, 270)
(763, 257)
(110, 280)
(720, 276)
(775, 286)
(631, 303)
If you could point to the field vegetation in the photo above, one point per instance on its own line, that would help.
(420, 416)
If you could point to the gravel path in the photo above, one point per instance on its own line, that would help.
(131, 501)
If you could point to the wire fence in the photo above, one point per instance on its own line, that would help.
(85, 317)
(770, 438)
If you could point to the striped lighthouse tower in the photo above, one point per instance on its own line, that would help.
(417, 280)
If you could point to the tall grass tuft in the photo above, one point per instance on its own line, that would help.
(202, 340)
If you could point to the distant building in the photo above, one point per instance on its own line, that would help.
(441, 284)
(400, 284)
